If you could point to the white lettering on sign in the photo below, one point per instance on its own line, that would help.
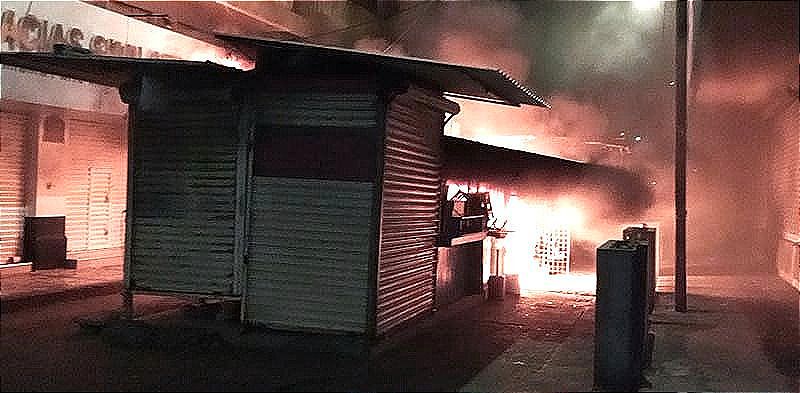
(37, 26)
(30, 33)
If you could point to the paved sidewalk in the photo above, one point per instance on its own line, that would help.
(740, 334)
(20, 287)
(544, 366)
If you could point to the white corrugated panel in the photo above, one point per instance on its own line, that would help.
(410, 215)
(785, 176)
(97, 181)
(184, 153)
(100, 215)
(309, 254)
(12, 184)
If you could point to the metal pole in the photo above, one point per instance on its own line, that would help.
(681, 38)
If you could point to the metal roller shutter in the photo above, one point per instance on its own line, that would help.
(785, 173)
(411, 187)
(184, 154)
(96, 192)
(309, 253)
(12, 184)
(311, 239)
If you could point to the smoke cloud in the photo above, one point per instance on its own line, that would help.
(606, 69)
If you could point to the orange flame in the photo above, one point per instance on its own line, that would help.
(527, 221)
(226, 59)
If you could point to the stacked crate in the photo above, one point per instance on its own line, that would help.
(551, 250)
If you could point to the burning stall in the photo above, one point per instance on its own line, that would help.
(547, 214)
(308, 188)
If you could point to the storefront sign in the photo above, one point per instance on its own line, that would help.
(36, 26)
(30, 33)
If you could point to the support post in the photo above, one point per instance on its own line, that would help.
(127, 304)
(681, 41)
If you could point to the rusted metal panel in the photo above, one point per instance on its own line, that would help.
(410, 209)
(12, 183)
(309, 254)
(184, 152)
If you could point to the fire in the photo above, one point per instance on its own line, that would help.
(537, 242)
(226, 59)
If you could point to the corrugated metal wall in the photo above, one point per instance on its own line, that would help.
(309, 253)
(96, 188)
(785, 173)
(12, 183)
(311, 240)
(410, 211)
(184, 151)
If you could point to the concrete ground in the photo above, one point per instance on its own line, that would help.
(20, 287)
(740, 334)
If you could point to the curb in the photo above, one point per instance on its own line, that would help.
(25, 301)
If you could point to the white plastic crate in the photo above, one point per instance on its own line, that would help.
(551, 251)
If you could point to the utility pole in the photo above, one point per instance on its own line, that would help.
(681, 54)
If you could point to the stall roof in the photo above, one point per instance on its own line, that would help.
(457, 80)
(104, 70)
(531, 173)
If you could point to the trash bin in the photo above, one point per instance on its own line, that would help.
(620, 315)
(44, 244)
(648, 235)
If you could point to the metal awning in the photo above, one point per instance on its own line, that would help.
(105, 70)
(458, 80)
(474, 162)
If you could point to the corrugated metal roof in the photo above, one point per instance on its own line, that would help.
(459, 80)
(539, 175)
(104, 70)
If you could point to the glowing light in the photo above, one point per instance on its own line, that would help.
(645, 5)
(538, 240)
(222, 59)
(637, 138)
(480, 131)
(517, 142)
(452, 189)
(452, 128)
